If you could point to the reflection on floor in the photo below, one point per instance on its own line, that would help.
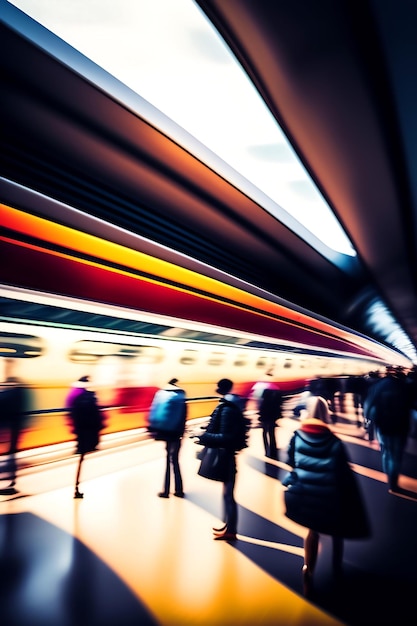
(124, 556)
(49, 577)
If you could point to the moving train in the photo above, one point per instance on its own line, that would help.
(126, 369)
(103, 200)
(132, 314)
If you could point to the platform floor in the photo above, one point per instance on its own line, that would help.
(122, 556)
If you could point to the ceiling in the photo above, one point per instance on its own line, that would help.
(340, 79)
(337, 76)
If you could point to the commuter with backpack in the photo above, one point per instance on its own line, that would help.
(387, 409)
(167, 418)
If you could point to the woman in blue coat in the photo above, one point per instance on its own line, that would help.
(322, 493)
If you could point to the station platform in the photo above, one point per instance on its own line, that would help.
(123, 556)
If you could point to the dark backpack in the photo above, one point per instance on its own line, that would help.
(390, 404)
(241, 426)
(270, 405)
(85, 411)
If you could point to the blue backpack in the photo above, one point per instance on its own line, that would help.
(168, 411)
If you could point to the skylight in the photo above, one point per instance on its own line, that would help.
(169, 53)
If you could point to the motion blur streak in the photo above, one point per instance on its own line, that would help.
(166, 279)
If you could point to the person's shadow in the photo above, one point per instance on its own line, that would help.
(280, 553)
(73, 586)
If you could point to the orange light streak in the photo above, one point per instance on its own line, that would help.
(162, 271)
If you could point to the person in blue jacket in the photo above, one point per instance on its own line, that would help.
(322, 492)
(167, 419)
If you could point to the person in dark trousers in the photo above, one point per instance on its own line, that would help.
(167, 419)
(388, 408)
(13, 408)
(227, 429)
(322, 493)
(269, 412)
(86, 422)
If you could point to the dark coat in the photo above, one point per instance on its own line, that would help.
(270, 406)
(322, 493)
(227, 428)
(13, 405)
(86, 420)
(388, 405)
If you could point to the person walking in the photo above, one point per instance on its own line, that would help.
(228, 430)
(322, 493)
(13, 410)
(388, 409)
(86, 422)
(167, 419)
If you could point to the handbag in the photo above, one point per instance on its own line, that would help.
(215, 463)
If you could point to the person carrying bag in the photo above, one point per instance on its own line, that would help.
(225, 435)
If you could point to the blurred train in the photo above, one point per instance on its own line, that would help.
(131, 315)
(126, 369)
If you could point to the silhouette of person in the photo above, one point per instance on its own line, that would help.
(227, 429)
(371, 378)
(167, 418)
(13, 408)
(86, 420)
(259, 387)
(322, 493)
(388, 408)
(269, 411)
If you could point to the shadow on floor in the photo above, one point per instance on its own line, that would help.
(49, 578)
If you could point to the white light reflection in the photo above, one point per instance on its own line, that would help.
(171, 55)
(380, 320)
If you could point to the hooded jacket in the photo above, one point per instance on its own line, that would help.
(322, 492)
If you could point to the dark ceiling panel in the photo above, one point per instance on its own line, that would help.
(340, 79)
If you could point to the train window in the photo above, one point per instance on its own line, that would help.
(92, 351)
(216, 358)
(188, 357)
(17, 346)
(241, 360)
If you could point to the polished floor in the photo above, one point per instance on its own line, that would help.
(123, 556)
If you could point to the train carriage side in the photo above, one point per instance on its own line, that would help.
(125, 372)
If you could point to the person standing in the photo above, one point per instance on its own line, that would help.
(368, 425)
(322, 493)
(86, 421)
(227, 429)
(167, 419)
(269, 412)
(388, 409)
(13, 410)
